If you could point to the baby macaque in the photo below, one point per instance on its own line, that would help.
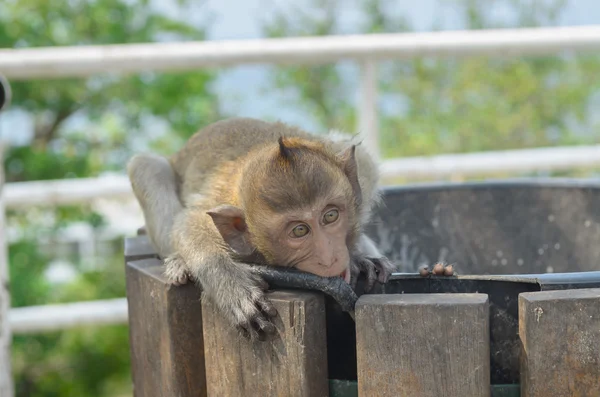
(243, 191)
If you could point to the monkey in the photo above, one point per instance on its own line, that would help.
(243, 192)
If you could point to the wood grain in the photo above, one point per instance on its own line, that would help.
(294, 364)
(559, 332)
(423, 345)
(165, 333)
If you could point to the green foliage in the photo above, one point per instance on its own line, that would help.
(26, 262)
(87, 361)
(443, 105)
(136, 100)
(83, 127)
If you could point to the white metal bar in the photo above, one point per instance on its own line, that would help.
(524, 160)
(368, 110)
(6, 383)
(71, 191)
(54, 62)
(66, 191)
(54, 317)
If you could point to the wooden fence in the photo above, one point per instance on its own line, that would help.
(406, 344)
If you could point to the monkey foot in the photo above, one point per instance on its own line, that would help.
(175, 271)
(439, 269)
(378, 269)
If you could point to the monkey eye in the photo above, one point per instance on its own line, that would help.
(331, 216)
(300, 231)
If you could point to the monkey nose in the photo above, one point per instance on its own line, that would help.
(331, 263)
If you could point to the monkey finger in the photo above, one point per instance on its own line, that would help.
(264, 325)
(369, 269)
(371, 278)
(449, 270)
(263, 336)
(438, 269)
(384, 269)
(267, 307)
(243, 332)
(354, 279)
(248, 330)
(182, 279)
(262, 284)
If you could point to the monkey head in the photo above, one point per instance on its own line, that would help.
(296, 206)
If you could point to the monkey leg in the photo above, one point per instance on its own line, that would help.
(154, 185)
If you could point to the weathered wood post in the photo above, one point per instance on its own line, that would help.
(165, 328)
(294, 364)
(423, 345)
(180, 346)
(559, 333)
(6, 383)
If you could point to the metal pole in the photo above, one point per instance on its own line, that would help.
(80, 61)
(6, 382)
(368, 115)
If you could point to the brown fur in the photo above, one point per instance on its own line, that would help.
(242, 185)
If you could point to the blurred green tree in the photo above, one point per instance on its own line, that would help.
(431, 105)
(80, 128)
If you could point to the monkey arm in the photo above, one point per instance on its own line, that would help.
(230, 285)
(154, 184)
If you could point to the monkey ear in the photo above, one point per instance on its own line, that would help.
(231, 223)
(350, 168)
(285, 152)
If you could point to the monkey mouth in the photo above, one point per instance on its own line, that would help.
(346, 275)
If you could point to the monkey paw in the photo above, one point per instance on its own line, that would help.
(439, 269)
(176, 270)
(248, 309)
(378, 269)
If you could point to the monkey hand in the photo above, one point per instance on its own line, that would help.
(175, 270)
(378, 269)
(241, 299)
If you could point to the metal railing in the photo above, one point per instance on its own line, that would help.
(367, 50)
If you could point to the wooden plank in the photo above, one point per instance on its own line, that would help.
(6, 383)
(165, 333)
(368, 112)
(294, 364)
(423, 345)
(139, 247)
(559, 333)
